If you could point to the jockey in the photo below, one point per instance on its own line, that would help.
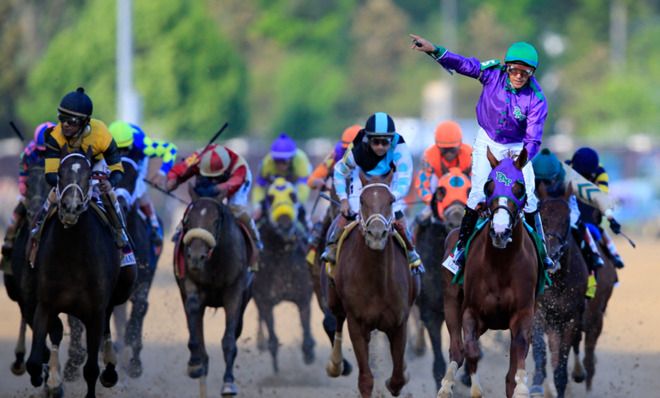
(376, 151)
(32, 155)
(221, 173)
(76, 130)
(318, 180)
(135, 145)
(448, 152)
(284, 160)
(511, 113)
(585, 161)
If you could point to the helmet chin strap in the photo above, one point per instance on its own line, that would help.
(75, 140)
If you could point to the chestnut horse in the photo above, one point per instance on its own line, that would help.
(561, 307)
(500, 282)
(373, 287)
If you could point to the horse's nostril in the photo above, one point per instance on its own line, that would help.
(383, 234)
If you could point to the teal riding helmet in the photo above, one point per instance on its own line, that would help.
(522, 52)
(547, 166)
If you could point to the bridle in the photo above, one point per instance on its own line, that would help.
(387, 221)
(74, 185)
(561, 238)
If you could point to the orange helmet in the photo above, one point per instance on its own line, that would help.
(214, 162)
(349, 134)
(448, 134)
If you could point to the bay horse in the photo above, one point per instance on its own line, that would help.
(283, 274)
(592, 320)
(19, 283)
(139, 229)
(213, 252)
(373, 287)
(561, 306)
(78, 272)
(500, 282)
(429, 237)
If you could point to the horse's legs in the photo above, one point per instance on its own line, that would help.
(592, 332)
(565, 337)
(397, 339)
(266, 313)
(120, 320)
(471, 331)
(308, 340)
(18, 366)
(360, 339)
(139, 308)
(453, 319)
(37, 351)
(433, 324)
(195, 319)
(418, 340)
(234, 306)
(109, 375)
(521, 330)
(55, 332)
(76, 350)
(540, 355)
(94, 326)
(262, 345)
(578, 370)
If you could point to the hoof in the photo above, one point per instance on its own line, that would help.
(134, 368)
(394, 391)
(71, 371)
(109, 376)
(348, 368)
(334, 369)
(196, 371)
(36, 374)
(465, 379)
(18, 368)
(536, 392)
(446, 391)
(57, 392)
(579, 377)
(229, 390)
(309, 357)
(521, 391)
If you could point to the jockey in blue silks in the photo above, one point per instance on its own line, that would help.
(376, 151)
(511, 113)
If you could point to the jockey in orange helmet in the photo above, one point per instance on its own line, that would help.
(221, 173)
(318, 180)
(448, 151)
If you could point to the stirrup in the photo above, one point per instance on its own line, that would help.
(329, 255)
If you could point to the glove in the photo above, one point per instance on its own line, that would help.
(615, 226)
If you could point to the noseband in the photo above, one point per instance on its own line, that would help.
(74, 185)
(563, 239)
(387, 221)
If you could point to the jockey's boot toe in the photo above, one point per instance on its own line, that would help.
(330, 254)
(616, 259)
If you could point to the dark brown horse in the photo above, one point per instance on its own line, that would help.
(19, 287)
(562, 305)
(592, 321)
(283, 274)
(215, 256)
(373, 287)
(78, 273)
(500, 279)
(430, 236)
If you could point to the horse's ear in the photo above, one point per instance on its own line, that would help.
(491, 158)
(521, 160)
(363, 178)
(388, 177)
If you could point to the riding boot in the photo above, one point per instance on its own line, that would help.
(314, 241)
(243, 216)
(535, 220)
(17, 218)
(414, 261)
(119, 226)
(37, 224)
(590, 249)
(156, 233)
(457, 258)
(334, 233)
(614, 254)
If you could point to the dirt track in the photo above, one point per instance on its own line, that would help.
(628, 353)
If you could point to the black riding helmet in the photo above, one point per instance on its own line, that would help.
(76, 103)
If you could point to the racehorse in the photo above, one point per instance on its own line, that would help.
(430, 236)
(139, 229)
(373, 287)
(18, 282)
(78, 273)
(500, 280)
(283, 271)
(211, 270)
(561, 306)
(592, 321)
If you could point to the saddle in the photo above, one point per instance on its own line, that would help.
(543, 280)
(330, 268)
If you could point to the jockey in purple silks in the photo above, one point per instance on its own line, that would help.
(511, 113)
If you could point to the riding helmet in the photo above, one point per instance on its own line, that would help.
(522, 52)
(585, 161)
(39, 136)
(76, 103)
(380, 124)
(283, 148)
(214, 162)
(122, 132)
(448, 134)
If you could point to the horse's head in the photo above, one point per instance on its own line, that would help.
(505, 196)
(376, 216)
(450, 197)
(73, 186)
(201, 225)
(125, 189)
(37, 190)
(282, 204)
(556, 217)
